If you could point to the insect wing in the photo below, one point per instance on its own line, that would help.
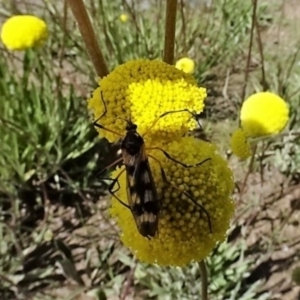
(142, 197)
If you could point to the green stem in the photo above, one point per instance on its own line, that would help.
(204, 280)
(249, 51)
(88, 36)
(250, 168)
(170, 31)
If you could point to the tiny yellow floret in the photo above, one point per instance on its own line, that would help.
(264, 113)
(240, 145)
(23, 32)
(186, 65)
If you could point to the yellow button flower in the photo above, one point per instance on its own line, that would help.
(23, 32)
(186, 65)
(264, 113)
(142, 90)
(123, 18)
(239, 144)
(183, 234)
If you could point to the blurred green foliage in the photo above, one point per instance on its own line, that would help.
(43, 122)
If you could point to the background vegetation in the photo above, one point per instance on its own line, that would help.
(55, 232)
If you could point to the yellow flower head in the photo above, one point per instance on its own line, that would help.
(239, 144)
(142, 90)
(264, 113)
(186, 65)
(123, 18)
(183, 227)
(23, 32)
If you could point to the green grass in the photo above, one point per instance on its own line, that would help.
(50, 153)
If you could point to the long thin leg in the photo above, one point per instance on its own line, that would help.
(164, 177)
(110, 165)
(96, 124)
(173, 112)
(112, 184)
(105, 128)
(105, 107)
(112, 192)
(177, 161)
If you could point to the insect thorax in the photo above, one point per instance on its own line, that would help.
(132, 143)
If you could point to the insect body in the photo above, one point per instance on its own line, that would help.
(142, 196)
(141, 192)
(143, 200)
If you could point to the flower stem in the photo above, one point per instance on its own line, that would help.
(170, 31)
(89, 37)
(248, 61)
(250, 168)
(204, 280)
